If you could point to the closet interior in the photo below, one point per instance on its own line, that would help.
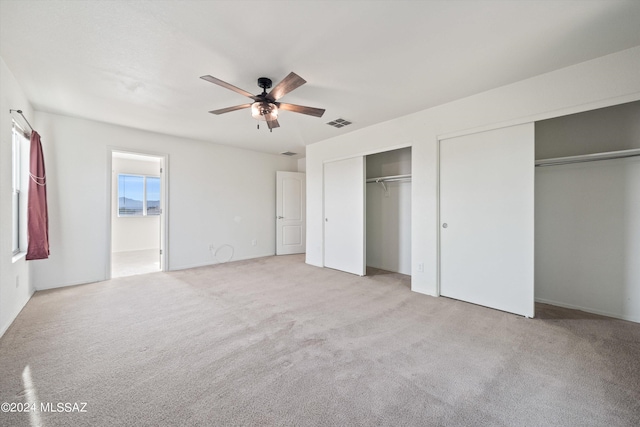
(388, 211)
(587, 211)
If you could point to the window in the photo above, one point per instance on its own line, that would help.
(18, 143)
(138, 195)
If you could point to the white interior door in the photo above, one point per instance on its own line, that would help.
(487, 218)
(344, 207)
(290, 213)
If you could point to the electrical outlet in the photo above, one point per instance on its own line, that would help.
(421, 267)
(254, 242)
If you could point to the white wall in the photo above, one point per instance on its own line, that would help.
(389, 163)
(588, 237)
(605, 81)
(389, 213)
(133, 233)
(217, 195)
(389, 226)
(15, 287)
(302, 165)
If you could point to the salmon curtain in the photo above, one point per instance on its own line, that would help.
(37, 213)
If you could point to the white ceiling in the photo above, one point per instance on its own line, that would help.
(138, 63)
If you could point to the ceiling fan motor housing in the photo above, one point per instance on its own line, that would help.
(264, 110)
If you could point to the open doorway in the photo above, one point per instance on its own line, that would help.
(137, 213)
(587, 211)
(388, 212)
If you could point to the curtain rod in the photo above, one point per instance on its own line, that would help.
(25, 119)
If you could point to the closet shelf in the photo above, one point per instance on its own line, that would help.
(588, 157)
(390, 178)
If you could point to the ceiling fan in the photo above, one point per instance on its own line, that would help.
(265, 106)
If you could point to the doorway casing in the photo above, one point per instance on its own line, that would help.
(164, 203)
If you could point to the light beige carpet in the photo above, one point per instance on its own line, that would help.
(273, 341)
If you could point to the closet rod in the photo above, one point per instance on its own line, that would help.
(25, 119)
(589, 157)
(390, 178)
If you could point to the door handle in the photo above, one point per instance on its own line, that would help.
(445, 225)
(280, 217)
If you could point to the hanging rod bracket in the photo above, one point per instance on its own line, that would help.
(25, 119)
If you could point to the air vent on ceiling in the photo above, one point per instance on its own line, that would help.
(339, 123)
(288, 153)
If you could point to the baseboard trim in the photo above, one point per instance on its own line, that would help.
(6, 327)
(182, 267)
(206, 264)
(81, 282)
(589, 310)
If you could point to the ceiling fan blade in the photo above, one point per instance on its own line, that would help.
(228, 109)
(228, 86)
(289, 83)
(273, 124)
(317, 112)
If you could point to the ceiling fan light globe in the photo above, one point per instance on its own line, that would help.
(264, 111)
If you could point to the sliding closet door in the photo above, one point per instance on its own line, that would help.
(487, 218)
(344, 207)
